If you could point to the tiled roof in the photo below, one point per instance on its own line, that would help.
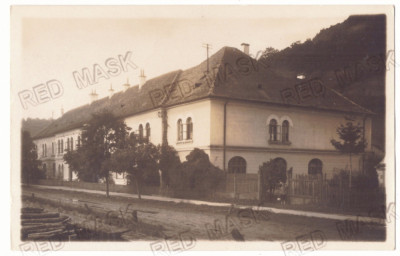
(232, 74)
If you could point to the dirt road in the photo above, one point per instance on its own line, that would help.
(161, 219)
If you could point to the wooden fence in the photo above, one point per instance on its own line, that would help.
(241, 185)
(306, 189)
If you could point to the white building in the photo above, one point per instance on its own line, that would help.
(240, 111)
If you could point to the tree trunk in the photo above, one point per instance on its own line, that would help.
(161, 181)
(107, 189)
(138, 188)
(351, 171)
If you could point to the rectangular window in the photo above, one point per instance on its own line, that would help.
(72, 143)
(62, 146)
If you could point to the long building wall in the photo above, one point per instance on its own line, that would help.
(247, 135)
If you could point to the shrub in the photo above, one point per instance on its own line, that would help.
(371, 163)
(359, 181)
(272, 174)
(196, 176)
(342, 177)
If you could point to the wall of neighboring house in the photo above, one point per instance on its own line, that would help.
(63, 170)
(248, 136)
(56, 167)
(44, 153)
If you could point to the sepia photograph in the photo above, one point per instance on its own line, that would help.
(186, 128)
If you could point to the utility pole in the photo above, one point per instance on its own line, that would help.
(207, 46)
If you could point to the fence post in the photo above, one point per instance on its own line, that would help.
(260, 187)
(289, 192)
(313, 191)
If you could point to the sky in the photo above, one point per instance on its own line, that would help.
(51, 43)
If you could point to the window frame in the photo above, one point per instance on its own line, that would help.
(317, 168)
(179, 125)
(285, 131)
(273, 130)
(237, 162)
(189, 128)
(140, 132)
(148, 131)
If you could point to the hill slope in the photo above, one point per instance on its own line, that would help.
(349, 57)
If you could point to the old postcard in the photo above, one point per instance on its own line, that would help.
(186, 128)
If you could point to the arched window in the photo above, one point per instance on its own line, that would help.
(273, 130)
(315, 167)
(180, 129)
(237, 164)
(62, 146)
(68, 144)
(148, 131)
(72, 143)
(140, 132)
(189, 129)
(285, 131)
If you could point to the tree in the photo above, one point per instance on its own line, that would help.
(139, 160)
(295, 44)
(29, 163)
(268, 52)
(352, 141)
(272, 173)
(100, 138)
(168, 162)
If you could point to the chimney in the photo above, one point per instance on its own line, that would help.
(127, 85)
(142, 78)
(246, 48)
(111, 90)
(93, 96)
